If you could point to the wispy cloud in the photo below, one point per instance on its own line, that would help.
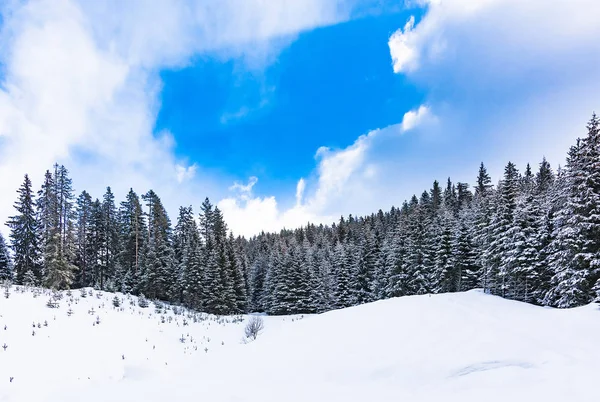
(81, 84)
(414, 118)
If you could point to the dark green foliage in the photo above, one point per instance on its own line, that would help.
(24, 237)
(533, 238)
(6, 273)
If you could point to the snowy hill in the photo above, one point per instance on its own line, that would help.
(458, 347)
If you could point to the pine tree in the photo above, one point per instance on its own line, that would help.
(158, 270)
(464, 254)
(482, 234)
(24, 237)
(134, 235)
(185, 243)
(451, 198)
(110, 248)
(6, 273)
(83, 257)
(576, 257)
(258, 275)
(55, 214)
(237, 277)
(436, 197)
(96, 244)
(342, 268)
(524, 254)
(419, 251)
(503, 231)
(279, 300)
(395, 263)
(365, 268)
(446, 271)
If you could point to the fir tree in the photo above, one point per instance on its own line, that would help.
(6, 273)
(110, 248)
(133, 239)
(83, 257)
(158, 270)
(575, 260)
(24, 237)
(502, 226)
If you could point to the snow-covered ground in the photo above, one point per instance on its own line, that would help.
(452, 347)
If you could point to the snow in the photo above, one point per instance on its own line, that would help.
(452, 347)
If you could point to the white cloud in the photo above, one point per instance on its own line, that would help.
(342, 177)
(81, 84)
(414, 118)
(245, 189)
(404, 55)
(300, 187)
(185, 172)
(507, 79)
(506, 71)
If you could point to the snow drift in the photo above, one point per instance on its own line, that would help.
(453, 347)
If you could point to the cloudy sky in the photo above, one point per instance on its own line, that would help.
(289, 111)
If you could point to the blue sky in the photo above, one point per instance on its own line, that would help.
(329, 86)
(284, 112)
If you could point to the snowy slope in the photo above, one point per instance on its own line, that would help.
(452, 347)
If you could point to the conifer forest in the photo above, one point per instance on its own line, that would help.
(532, 236)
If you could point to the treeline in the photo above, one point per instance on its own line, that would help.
(534, 237)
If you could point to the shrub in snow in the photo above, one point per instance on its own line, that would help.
(52, 303)
(116, 302)
(83, 293)
(142, 301)
(254, 327)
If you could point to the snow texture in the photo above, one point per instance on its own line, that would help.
(452, 347)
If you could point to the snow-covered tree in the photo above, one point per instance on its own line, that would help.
(24, 237)
(5, 261)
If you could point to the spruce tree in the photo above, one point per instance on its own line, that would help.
(111, 244)
(158, 270)
(6, 273)
(464, 254)
(503, 230)
(446, 271)
(365, 267)
(83, 255)
(237, 276)
(576, 259)
(56, 222)
(482, 233)
(24, 237)
(342, 268)
(134, 236)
